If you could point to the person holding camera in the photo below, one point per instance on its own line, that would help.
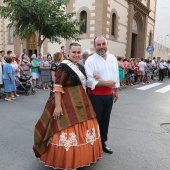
(24, 65)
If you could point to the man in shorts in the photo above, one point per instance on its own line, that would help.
(142, 68)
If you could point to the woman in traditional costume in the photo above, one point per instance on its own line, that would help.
(67, 134)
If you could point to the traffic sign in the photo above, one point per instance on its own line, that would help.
(150, 49)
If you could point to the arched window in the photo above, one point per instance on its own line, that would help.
(150, 38)
(134, 26)
(11, 33)
(113, 24)
(83, 16)
(148, 3)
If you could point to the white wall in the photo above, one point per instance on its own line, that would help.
(121, 8)
(144, 2)
(161, 53)
(116, 48)
(54, 47)
(152, 8)
(87, 3)
(122, 12)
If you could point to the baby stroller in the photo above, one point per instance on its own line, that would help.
(23, 84)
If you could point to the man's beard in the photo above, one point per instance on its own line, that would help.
(101, 53)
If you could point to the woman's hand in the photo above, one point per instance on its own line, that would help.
(58, 111)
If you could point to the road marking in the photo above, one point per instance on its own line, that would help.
(149, 86)
(164, 89)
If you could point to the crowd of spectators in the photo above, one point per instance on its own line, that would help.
(141, 71)
(42, 69)
(36, 67)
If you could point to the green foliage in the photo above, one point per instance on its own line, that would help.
(48, 18)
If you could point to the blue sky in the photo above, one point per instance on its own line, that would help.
(162, 25)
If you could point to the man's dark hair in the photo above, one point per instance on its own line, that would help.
(24, 50)
(153, 58)
(62, 46)
(8, 52)
(74, 44)
(95, 39)
(141, 59)
(22, 56)
(2, 51)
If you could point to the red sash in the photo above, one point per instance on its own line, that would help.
(101, 91)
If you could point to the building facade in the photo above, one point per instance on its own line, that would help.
(128, 26)
(161, 51)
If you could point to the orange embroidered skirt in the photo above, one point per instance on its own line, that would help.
(74, 147)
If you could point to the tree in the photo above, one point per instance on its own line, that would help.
(47, 18)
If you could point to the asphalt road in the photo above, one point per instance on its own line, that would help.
(135, 134)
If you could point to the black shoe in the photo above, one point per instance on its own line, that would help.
(107, 149)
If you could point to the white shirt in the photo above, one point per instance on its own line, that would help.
(162, 65)
(165, 64)
(105, 69)
(142, 66)
(3, 60)
(153, 63)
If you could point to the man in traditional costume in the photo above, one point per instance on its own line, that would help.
(105, 67)
(67, 134)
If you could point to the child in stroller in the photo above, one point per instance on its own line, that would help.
(23, 83)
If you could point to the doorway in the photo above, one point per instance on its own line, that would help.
(32, 44)
(31, 52)
(134, 45)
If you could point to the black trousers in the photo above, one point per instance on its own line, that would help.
(102, 106)
(169, 73)
(161, 74)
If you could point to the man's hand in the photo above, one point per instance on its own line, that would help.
(110, 84)
(116, 96)
(97, 77)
